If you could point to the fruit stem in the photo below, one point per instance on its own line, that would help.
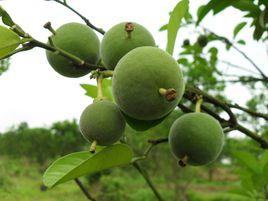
(99, 85)
(170, 94)
(198, 104)
(183, 161)
(129, 27)
(107, 73)
(92, 148)
(49, 27)
(51, 41)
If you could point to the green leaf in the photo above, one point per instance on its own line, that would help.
(183, 61)
(91, 90)
(6, 18)
(174, 23)
(241, 42)
(9, 41)
(258, 32)
(248, 160)
(238, 28)
(214, 5)
(205, 9)
(246, 5)
(222, 5)
(163, 28)
(82, 163)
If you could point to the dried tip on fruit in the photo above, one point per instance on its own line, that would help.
(183, 161)
(93, 147)
(49, 27)
(170, 94)
(129, 27)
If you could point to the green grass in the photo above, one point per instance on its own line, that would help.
(21, 180)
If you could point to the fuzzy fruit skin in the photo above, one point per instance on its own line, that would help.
(78, 40)
(137, 79)
(198, 136)
(115, 43)
(103, 122)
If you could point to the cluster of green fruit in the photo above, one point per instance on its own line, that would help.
(202, 41)
(147, 86)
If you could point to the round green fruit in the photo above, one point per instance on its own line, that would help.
(202, 41)
(78, 40)
(196, 139)
(147, 83)
(186, 43)
(121, 39)
(102, 122)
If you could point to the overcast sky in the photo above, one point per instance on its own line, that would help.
(31, 91)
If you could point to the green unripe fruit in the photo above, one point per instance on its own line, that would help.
(103, 122)
(121, 39)
(78, 40)
(202, 41)
(186, 42)
(196, 139)
(147, 83)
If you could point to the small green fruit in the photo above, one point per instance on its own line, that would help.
(122, 38)
(196, 139)
(103, 122)
(202, 41)
(78, 40)
(147, 83)
(186, 43)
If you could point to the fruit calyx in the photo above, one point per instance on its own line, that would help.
(129, 27)
(92, 148)
(170, 94)
(183, 162)
(49, 27)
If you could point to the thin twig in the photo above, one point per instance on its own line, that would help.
(238, 67)
(148, 180)
(84, 190)
(252, 113)
(88, 23)
(228, 42)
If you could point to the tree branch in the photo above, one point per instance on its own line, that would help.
(191, 93)
(148, 180)
(88, 23)
(79, 62)
(32, 43)
(228, 42)
(252, 113)
(84, 190)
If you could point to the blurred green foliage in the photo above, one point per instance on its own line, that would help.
(4, 65)
(41, 144)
